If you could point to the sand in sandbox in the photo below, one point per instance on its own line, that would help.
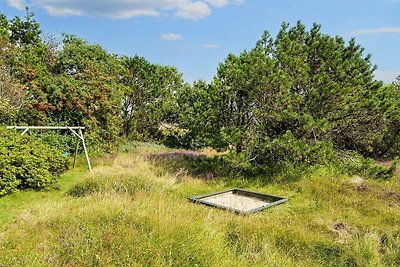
(236, 201)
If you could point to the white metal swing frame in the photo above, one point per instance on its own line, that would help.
(78, 134)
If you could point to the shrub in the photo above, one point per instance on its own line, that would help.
(12, 97)
(63, 140)
(355, 164)
(26, 163)
(272, 156)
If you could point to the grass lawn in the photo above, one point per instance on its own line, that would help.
(133, 212)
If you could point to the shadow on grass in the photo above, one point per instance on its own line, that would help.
(210, 168)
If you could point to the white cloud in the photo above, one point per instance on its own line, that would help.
(195, 10)
(171, 37)
(376, 31)
(209, 46)
(387, 76)
(63, 11)
(217, 3)
(18, 4)
(122, 9)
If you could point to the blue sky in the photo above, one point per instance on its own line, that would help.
(196, 35)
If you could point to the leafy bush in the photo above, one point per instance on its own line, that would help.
(27, 163)
(12, 97)
(64, 140)
(272, 156)
(354, 164)
(288, 158)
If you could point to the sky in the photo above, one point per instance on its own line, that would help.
(196, 36)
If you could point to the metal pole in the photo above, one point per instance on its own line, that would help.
(84, 148)
(76, 153)
(27, 129)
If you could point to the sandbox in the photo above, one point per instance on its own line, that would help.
(239, 200)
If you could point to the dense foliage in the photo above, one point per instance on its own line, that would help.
(77, 83)
(12, 97)
(302, 98)
(25, 162)
(389, 96)
(295, 99)
(149, 98)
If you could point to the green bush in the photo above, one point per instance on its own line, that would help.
(26, 163)
(355, 164)
(290, 158)
(272, 156)
(64, 140)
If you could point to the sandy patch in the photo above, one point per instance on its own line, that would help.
(235, 201)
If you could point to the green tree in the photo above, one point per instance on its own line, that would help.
(196, 115)
(84, 89)
(25, 32)
(389, 99)
(294, 96)
(7, 49)
(12, 97)
(77, 83)
(149, 98)
(21, 54)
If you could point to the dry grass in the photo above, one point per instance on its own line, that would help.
(130, 212)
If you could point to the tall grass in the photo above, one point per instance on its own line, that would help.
(131, 212)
